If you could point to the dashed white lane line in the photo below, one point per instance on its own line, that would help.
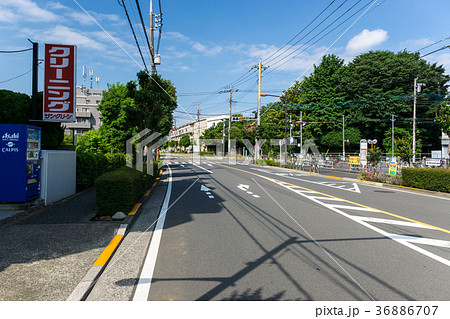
(202, 168)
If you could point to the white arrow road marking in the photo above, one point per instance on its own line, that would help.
(339, 185)
(203, 188)
(243, 187)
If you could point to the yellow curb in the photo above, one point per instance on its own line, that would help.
(107, 252)
(335, 177)
(135, 208)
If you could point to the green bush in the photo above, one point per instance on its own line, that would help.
(121, 189)
(92, 165)
(434, 179)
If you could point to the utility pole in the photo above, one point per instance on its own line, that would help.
(343, 138)
(258, 119)
(301, 133)
(198, 120)
(152, 48)
(393, 120)
(223, 137)
(231, 90)
(417, 87)
(285, 130)
(34, 83)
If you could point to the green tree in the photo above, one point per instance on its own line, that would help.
(185, 141)
(374, 156)
(404, 149)
(15, 108)
(320, 96)
(443, 118)
(380, 83)
(93, 142)
(118, 108)
(155, 100)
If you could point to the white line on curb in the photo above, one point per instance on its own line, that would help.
(145, 279)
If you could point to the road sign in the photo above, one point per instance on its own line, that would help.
(393, 167)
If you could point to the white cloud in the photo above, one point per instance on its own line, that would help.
(206, 50)
(414, 45)
(25, 10)
(366, 40)
(63, 34)
(175, 36)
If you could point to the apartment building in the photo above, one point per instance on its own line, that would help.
(88, 117)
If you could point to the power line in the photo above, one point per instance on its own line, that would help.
(426, 47)
(444, 47)
(143, 26)
(18, 76)
(15, 51)
(134, 34)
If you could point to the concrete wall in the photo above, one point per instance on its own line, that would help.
(58, 175)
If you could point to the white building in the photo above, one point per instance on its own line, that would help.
(195, 127)
(88, 117)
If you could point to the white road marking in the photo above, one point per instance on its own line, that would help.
(243, 187)
(211, 196)
(203, 188)
(343, 185)
(145, 278)
(408, 241)
(392, 222)
(202, 168)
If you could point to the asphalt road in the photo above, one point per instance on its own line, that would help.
(245, 232)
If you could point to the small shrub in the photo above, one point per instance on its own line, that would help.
(121, 189)
(373, 176)
(434, 179)
(92, 165)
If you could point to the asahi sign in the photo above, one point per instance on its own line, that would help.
(60, 82)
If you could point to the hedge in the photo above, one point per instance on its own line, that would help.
(121, 189)
(434, 179)
(92, 165)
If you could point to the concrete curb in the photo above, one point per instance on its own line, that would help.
(85, 286)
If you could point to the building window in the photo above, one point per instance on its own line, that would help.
(85, 109)
(88, 101)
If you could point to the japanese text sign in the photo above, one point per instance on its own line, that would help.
(59, 83)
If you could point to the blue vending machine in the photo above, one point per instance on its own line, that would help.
(20, 164)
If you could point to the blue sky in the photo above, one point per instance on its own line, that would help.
(207, 44)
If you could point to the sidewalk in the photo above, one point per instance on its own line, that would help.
(45, 254)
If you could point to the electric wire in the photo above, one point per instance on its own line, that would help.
(143, 26)
(15, 51)
(426, 47)
(312, 21)
(134, 34)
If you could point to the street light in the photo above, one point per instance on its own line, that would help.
(372, 143)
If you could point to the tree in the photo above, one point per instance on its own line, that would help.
(185, 141)
(404, 147)
(374, 156)
(93, 142)
(155, 101)
(380, 83)
(15, 108)
(443, 118)
(320, 96)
